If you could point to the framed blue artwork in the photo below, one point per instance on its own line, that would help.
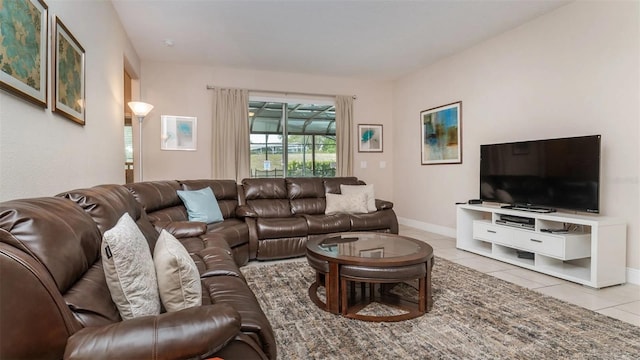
(178, 133)
(369, 138)
(441, 134)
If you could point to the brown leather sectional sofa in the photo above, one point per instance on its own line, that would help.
(54, 300)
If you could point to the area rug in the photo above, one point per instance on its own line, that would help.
(475, 316)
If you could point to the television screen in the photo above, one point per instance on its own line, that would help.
(553, 173)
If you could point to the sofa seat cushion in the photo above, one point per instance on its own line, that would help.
(326, 224)
(86, 299)
(373, 221)
(182, 229)
(233, 231)
(273, 228)
(235, 292)
(216, 261)
(169, 214)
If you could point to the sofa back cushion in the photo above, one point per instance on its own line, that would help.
(307, 195)
(332, 185)
(226, 192)
(107, 203)
(35, 322)
(64, 239)
(55, 231)
(267, 197)
(160, 200)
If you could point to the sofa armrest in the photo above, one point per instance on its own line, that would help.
(383, 204)
(182, 229)
(244, 211)
(194, 332)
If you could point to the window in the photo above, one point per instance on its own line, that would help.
(292, 139)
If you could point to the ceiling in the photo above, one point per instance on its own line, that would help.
(367, 39)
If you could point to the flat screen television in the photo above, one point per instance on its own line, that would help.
(543, 175)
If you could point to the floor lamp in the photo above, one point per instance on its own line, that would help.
(140, 110)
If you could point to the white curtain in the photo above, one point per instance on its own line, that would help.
(230, 147)
(344, 138)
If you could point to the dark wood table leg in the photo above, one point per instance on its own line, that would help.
(332, 287)
(344, 305)
(422, 295)
(428, 288)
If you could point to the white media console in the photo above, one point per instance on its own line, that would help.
(586, 249)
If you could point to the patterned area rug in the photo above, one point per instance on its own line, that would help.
(475, 316)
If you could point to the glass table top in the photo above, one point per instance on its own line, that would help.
(369, 245)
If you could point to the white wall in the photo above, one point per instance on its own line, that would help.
(569, 73)
(41, 153)
(181, 90)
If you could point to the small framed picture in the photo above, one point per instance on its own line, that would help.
(69, 75)
(441, 138)
(376, 253)
(178, 133)
(23, 49)
(369, 138)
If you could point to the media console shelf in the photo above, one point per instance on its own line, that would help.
(586, 249)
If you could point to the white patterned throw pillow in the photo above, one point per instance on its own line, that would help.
(129, 270)
(366, 189)
(178, 277)
(346, 204)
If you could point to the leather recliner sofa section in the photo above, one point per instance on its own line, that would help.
(166, 211)
(54, 299)
(282, 214)
(55, 302)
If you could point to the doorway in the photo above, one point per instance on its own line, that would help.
(128, 131)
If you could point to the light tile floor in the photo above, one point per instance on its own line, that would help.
(621, 302)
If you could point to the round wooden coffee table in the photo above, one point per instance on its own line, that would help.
(369, 258)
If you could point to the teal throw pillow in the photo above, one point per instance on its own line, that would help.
(201, 205)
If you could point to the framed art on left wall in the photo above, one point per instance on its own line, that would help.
(69, 75)
(23, 49)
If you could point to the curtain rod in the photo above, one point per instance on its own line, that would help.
(211, 87)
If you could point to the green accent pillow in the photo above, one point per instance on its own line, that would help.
(201, 205)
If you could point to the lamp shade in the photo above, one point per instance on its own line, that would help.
(140, 108)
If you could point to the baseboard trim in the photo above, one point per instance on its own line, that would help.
(436, 229)
(633, 275)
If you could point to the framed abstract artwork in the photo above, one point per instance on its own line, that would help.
(69, 75)
(178, 133)
(441, 134)
(23, 49)
(369, 138)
